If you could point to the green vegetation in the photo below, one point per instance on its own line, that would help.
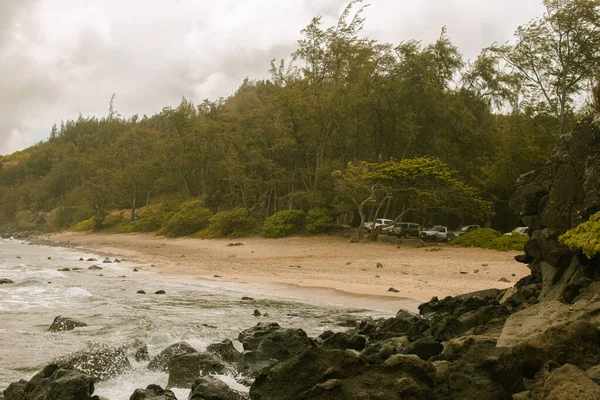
(283, 223)
(84, 226)
(319, 220)
(189, 218)
(491, 239)
(584, 237)
(361, 128)
(231, 224)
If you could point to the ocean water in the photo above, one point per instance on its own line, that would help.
(198, 311)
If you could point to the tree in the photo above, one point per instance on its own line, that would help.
(555, 54)
(425, 185)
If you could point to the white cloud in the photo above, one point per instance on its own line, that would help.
(62, 57)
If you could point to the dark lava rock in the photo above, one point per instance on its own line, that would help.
(65, 324)
(447, 328)
(92, 259)
(343, 341)
(393, 290)
(336, 375)
(403, 324)
(153, 392)
(107, 261)
(256, 313)
(141, 292)
(81, 259)
(52, 383)
(186, 368)
(5, 281)
(95, 268)
(160, 292)
(246, 298)
(98, 360)
(161, 361)
(275, 341)
(425, 348)
(210, 388)
(225, 349)
(252, 363)
(64, 269)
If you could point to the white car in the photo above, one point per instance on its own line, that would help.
(520, 230)
(379, 222)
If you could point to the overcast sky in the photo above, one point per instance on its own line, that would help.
(62, 57)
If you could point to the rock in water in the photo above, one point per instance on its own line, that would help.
(99, 361)
(4, 281)
(208, 387)
(186, 368)
(161, 361)
(53, 383)
(65, 324)
(153, 392)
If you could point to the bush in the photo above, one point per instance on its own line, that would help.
(83, 226)
(63, 217)
(191, 217)
(584, 237)
(319, 221)
(491, 239)
(233, 224)
(152, 219)
(25, 220)
(283, 223)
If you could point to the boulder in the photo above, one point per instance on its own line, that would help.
(65, 324)
(252, 363)
(575, 343)
(275, 341)
(336, 374)
(569, 382)
(152, 392)
(226, 350)
(98, 360)
(160, 362)
(4, 281)
(210, 388)
(403, 324)
(425, 348)
(186, 368)
(53, 382)
(343, 340)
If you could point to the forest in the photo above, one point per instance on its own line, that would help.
(347, 128)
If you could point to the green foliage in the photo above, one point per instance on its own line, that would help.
(25, 220)
(232, 224)
(491, 239)
(189, 218)
(319, 221)
(152, 219)
(84, 226)
(283, 223)
(63, 217)
(584, 237)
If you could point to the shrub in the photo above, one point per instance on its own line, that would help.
(86, 225)
(113, 220)
(283, 223)
(25, 220)
(63, 217)
(191, 217)
(152, 219)
(584, 237)
(491, 239)
(234, 223)
(319, 221)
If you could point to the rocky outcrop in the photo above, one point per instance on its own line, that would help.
(161, 361)
(186, 368)
(554, 199)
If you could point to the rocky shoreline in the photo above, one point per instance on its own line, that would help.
(536, 340)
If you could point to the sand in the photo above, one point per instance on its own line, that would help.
(318, 262)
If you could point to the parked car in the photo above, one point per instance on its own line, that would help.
(461, 231)
(520, 230)
(403, 229)
(435, 233)
(379, 222)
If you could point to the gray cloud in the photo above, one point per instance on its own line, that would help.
(62, 57)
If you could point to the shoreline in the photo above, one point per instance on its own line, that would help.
(311, 264)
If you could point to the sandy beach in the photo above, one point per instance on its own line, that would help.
(320, 262)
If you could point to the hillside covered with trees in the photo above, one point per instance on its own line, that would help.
(347, 128)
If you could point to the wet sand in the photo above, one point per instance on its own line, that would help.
(329, 262)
